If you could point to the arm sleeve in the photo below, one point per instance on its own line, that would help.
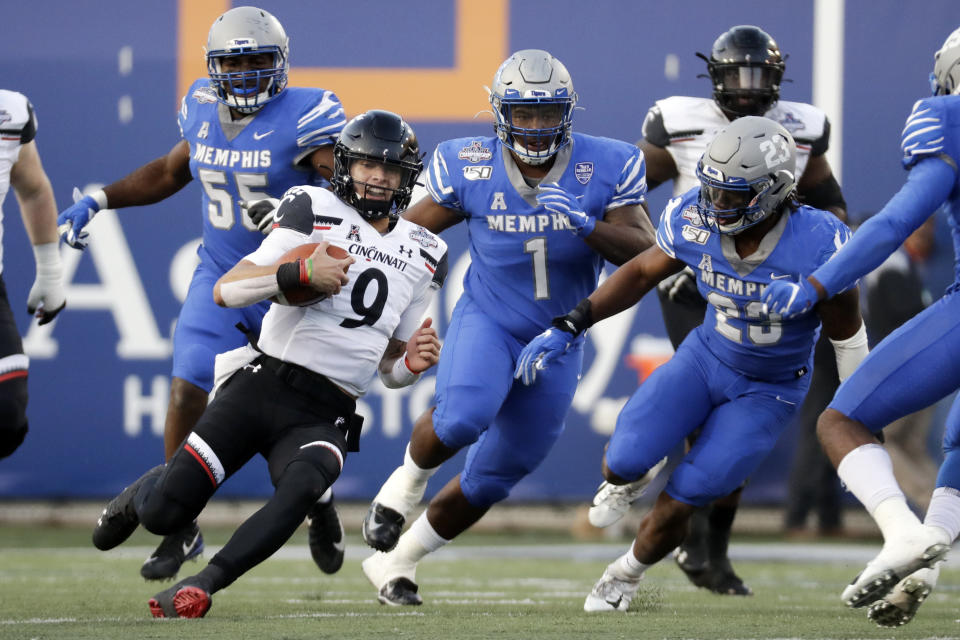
(632, 183)
(927, 186)
(665, 231)
(411, 317)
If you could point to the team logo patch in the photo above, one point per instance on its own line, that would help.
(425, 239)
(583, 171)
(5, 117)
(475, 152)
(790, 123)
(482, 172)
(354, 234)
(697, 235)
(205, 94)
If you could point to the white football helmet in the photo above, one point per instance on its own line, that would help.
(747, 172)
(945, 79)
(247, 31)
(533, 80)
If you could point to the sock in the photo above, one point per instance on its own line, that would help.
(405, 487)
(867, 473)
(417, 474)
(627, 566)
(944, 512)
(215, 577)
(419, 540)
(894, 517)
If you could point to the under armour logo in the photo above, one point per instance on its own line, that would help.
(409, 252)
(253, 367)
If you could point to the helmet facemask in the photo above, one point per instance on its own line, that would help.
(945, 78)
(247, 91)
(746, 69)
(373, 201)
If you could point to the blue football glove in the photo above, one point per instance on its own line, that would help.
(555, 198)
(789, 299)
(73, 219)
(539, 352)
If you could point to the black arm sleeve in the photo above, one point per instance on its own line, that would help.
(824, 194)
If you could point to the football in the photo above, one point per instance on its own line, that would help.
(304, 295)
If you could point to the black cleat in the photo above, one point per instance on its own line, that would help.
(182, 600)
(716, 576)
(400, 592)
(174, 550)
(382, 526)
(119, 518)
(325, 536)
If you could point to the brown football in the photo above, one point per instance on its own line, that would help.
(305, 295)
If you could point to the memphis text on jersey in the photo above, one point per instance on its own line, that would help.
(256, 159)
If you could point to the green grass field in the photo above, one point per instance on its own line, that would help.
(53, 584)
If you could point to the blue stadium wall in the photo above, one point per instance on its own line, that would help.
(105, 80)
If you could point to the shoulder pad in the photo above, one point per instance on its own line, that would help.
(654, 130)
(296, 211)
(923, 134)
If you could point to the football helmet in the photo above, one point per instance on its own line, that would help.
(746, 174)
(380, 136)
(247, 31)
(746, 68)
(945, 79)
(533, 100)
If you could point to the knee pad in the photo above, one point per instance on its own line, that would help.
(465, 426)
(482, 492)
(691, 485)
(13, 414)
(311, 472)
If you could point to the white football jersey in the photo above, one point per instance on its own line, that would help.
(684, 126)
(391, 283)
(18, 126)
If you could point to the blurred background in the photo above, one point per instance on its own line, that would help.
(106, 78)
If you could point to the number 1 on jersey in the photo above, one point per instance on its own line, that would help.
(537, 248)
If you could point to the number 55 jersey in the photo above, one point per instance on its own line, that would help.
(527, 266)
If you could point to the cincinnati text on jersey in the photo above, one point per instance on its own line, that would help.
(374, 254)
(256, 159)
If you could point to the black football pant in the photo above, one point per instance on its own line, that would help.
(13, 380)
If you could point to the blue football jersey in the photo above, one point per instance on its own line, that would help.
(527, 265)
(735, 329)
(251, 159)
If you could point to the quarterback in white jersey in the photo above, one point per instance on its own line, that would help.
(20, 167)
(746, 67)
(294, 402)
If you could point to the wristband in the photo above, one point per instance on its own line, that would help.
(289, 275)
(100, 197)
(576, 321)
(401, 375)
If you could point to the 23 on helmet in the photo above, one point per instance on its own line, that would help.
(246, 31)
(746, 68)
(533, 101)
(746, 174)
(945, 79)
(378, 136)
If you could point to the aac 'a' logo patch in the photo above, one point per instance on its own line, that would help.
(426, 239)
(583, 171)
(205, 94)
(354, 234)
(475, 152)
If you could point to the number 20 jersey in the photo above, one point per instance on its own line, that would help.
(251, 159)
(390, 286)
(735, 329)
(527, 265)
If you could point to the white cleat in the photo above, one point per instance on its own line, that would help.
(612, 501)
(394, 581)
(924, 548)
(899, 606)
(611, 593)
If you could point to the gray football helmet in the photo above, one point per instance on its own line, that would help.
(746, 174)
(533, 78)
(945, 79)
(247, 31)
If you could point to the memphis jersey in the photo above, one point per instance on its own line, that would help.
(735, 329)
(527, 266)
(685, 126)
(18, 126)
(391, 283)
(251, 159)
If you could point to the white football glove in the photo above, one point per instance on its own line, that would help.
(47, 297)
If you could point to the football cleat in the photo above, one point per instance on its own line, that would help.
(896, 560)
(899, 606)
(612, 501)
(382, 526)
(182, 600)
(718, 576)
(325, 536)
(400, 592)
(611, 593)
(119, 518)
(174, 550)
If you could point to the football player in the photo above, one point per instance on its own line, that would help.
(741, 375)
(21, 168)
(246, 136)
(291, 397)
(746, 68)
(544, 207)
(910, 369)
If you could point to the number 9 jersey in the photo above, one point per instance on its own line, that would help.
(250, 159)
(527, 265)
